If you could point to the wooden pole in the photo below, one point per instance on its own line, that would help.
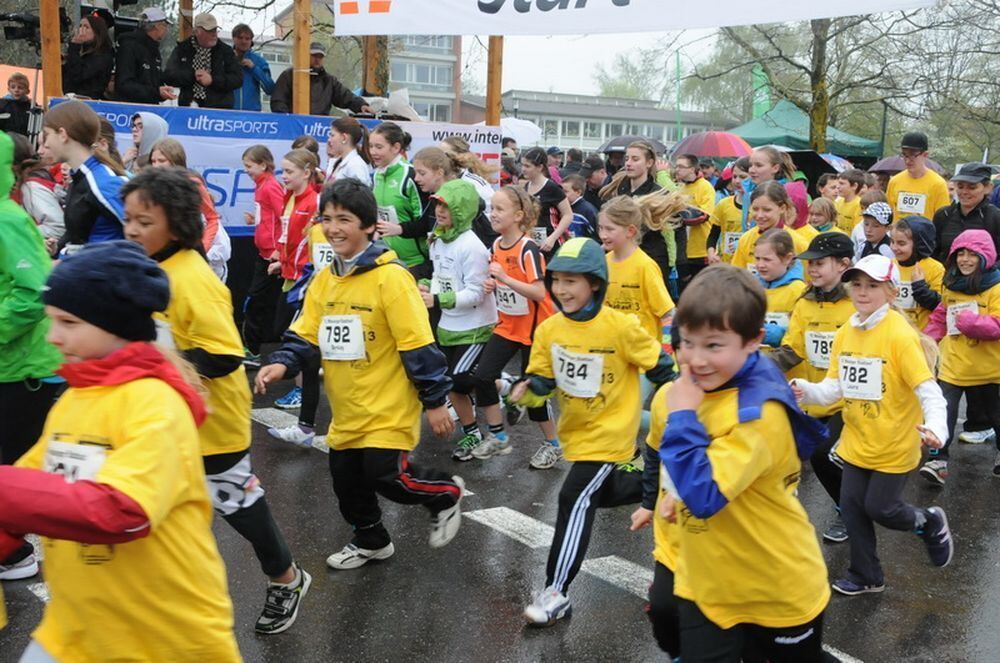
(376, 73)
(300, 57)
(51, 56)
(494, 81)
(185, 11)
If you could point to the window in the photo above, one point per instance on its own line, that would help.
(442, 42)
(433, 112)
(398, 72)
(422, 74)
(613, 130)
(571, 129)
(592, 130)
(550, 129)
(634, 130)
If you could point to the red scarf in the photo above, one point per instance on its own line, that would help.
(133, 362)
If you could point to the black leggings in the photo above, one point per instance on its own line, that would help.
(828, 472)
(259, 307)
(24, 405)
(495, 356)
(663, 611)
(983, 400)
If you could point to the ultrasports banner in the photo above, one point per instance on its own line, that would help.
(550, 17)
(215, 140)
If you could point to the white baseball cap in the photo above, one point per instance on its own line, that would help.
(878, 267)
(154, 15)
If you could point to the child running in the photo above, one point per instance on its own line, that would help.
(727, 218)
(749, 572)
(365, 318)
(770, 207)
(397, 194)
(781, 275)
(892, 404)
(822, 219)
(914, 241)
(589, 356)
(805, 351)
(967, 323)
(848, 204)
(517, 269)
(115, 485)
(162, 215)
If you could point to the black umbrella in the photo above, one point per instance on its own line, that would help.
(621, 142)
(894, 164)
(810, 164)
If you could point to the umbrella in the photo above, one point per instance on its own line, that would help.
(713, 144)
(840, 164)
(524, 132)
(894, 164)
(619, 144)
(809, 163)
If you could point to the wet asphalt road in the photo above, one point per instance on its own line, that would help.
(464, 602)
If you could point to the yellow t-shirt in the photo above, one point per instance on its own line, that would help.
(159, 598)
(635, 286)
(664, 532)
(965, 361)
(922, 197)
(933, 274)
(3, 611)
(320, 251)
(361, 322)
(729, 219)
(702, 195)
(757, 560)
(744, 256)
(596, 366)
(810, 334)
(848, 214)
(878, 370)
(200, 315)
(780, 302)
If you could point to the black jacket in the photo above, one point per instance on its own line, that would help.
(87, 75)
(325, 92)
(227, 75)
(137, 69)
(949, 223)
(14, 115)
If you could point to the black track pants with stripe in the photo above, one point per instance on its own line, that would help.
(588, 486)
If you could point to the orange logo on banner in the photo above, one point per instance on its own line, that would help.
(374, 7)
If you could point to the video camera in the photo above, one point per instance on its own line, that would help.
(27, 27)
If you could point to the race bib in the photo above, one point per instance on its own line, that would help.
(577, 374)
(441, 284)
(284, 230)
(730, 242)
(539, 235)
(322, 255)
(667, 484)
(861, 378)
(510, 302)
(75, 462)
(341, 338)
(818, 347)
(164, 336)
(953, 312)
(911, 203)
(256, 214)
(904, 297)
(388, 214)
(780, 319)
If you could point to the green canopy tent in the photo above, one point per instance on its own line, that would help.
(788, 125)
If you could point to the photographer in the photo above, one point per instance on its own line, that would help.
(89, 59)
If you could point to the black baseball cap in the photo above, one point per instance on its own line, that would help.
(591, 165)
(829, 244)
(554, 150)
(974, 172)
(914, 140)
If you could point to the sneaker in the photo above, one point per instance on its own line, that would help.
(935, 471)
(848, 587)
(291, 400)
(546, 457)
(492, 446)
(297, 434)
(250, 360)
(978, 436)
(549, 606)
(281, 606)
(26, 568)
(445, 524)
(463, 450)
(837, 531)
(351, 557)
(937, 536)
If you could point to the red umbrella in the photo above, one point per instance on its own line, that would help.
(713, 144)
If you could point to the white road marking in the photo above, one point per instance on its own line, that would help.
(514, 524)
(845, 658)
(41, 590)
(621, 573)
(275, 418)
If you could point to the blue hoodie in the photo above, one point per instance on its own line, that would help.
(773, 333)
(254, 80)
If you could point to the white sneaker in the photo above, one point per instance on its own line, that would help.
(977, 437)
(492, 446)
(26, 568)
(546, 457)
(351, 557)
(548, 607)
(445, 524)
(293, 434)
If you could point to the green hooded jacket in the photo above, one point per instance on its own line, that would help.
(24, 267)
(462, 200)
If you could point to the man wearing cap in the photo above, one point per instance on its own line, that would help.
(916, 191)
(555, 156)
(138, 78)
(325, 91)
(596, 174)
(204, 68)
(256, 71)
(972, 210)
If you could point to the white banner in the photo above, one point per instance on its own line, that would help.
(550, 17)
(214, 141)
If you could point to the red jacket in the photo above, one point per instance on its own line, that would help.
(295, 249)
(270, 196)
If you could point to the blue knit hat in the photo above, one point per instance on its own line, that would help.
(111, 285)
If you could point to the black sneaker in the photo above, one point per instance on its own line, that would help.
(282, 604)
(836, 532)
(937, 537)
(250, 360)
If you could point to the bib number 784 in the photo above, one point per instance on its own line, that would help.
(577, 374)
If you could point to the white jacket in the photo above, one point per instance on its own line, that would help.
(462, 266)
(351, 165)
